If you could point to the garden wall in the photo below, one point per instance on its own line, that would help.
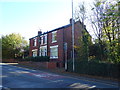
(47, 65)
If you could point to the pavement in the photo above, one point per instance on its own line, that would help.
(57, 78)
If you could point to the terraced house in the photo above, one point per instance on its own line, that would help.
(56, 43)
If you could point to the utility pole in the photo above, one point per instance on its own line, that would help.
(73, 39)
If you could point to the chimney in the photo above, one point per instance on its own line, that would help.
(71, 20)
(39, 32)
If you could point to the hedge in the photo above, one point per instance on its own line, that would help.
(96, 69)
(37, 59)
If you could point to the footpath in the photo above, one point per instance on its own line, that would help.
(62, 71)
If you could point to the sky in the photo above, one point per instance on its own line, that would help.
(27, 17)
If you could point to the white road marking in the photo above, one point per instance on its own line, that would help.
(33, 70)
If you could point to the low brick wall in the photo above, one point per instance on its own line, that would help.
(9, 60)
(51, 65)
(48, 65)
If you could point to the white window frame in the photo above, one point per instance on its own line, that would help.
(54, 36)
(54, 57)
(45, 38)
(43, 53)
(34, 52)
(35, 42)
(41, 40)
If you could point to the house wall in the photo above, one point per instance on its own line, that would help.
(33, 47)
(68, 37)
(64, 35)
(59, 43)
(68, 40)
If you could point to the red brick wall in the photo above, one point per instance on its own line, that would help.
(31, 45)
(68, 40)
(59, 43)
(63, 35)
(78, 33)
(68, 37)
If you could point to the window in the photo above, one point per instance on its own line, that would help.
(34, 41)
(54, 36)
(41, 39)
(45, 39)
(54, 52)
(43, 51)
(34, 52)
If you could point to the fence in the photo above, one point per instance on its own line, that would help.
(96, 69)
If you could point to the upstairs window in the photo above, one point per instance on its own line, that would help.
(54, 36)
(41, 39)
(34, 41)
(45, 39)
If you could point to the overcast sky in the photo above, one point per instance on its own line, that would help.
(28, 16)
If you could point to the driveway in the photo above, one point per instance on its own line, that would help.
(19, 77)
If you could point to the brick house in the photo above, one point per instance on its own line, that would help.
(53, 43)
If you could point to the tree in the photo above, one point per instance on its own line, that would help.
(97, 24)
(83, 48)
(12, 45)
(106, 26)
(85, 38)
(80, 13)
(111, 28)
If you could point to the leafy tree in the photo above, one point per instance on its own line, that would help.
(12, 45)
(106, 23)
(84, 40)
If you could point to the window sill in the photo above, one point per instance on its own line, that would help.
(43, 44)
(53, 57)
(54, 41)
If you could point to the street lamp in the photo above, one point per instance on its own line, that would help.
(73, 39)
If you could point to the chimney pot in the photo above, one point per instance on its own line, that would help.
(71, 20)
(39, 32)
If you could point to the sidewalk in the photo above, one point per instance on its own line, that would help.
(62, 71)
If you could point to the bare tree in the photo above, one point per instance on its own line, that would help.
(80, 13)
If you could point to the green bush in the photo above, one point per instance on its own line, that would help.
(95, 68)
(37, 59)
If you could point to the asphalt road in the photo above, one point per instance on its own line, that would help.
(18, 77)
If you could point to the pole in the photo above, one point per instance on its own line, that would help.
(65, 48)
(73, 39)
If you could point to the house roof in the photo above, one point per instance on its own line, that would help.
(52, 30)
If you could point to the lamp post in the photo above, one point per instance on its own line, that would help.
(73, 40)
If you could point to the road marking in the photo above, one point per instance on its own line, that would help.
(58, 81)
(81, 85)
(92, 86)
(33, 70)
(93, 81)
(98, 81)
(47, 75)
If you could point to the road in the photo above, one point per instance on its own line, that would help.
(19, 77)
